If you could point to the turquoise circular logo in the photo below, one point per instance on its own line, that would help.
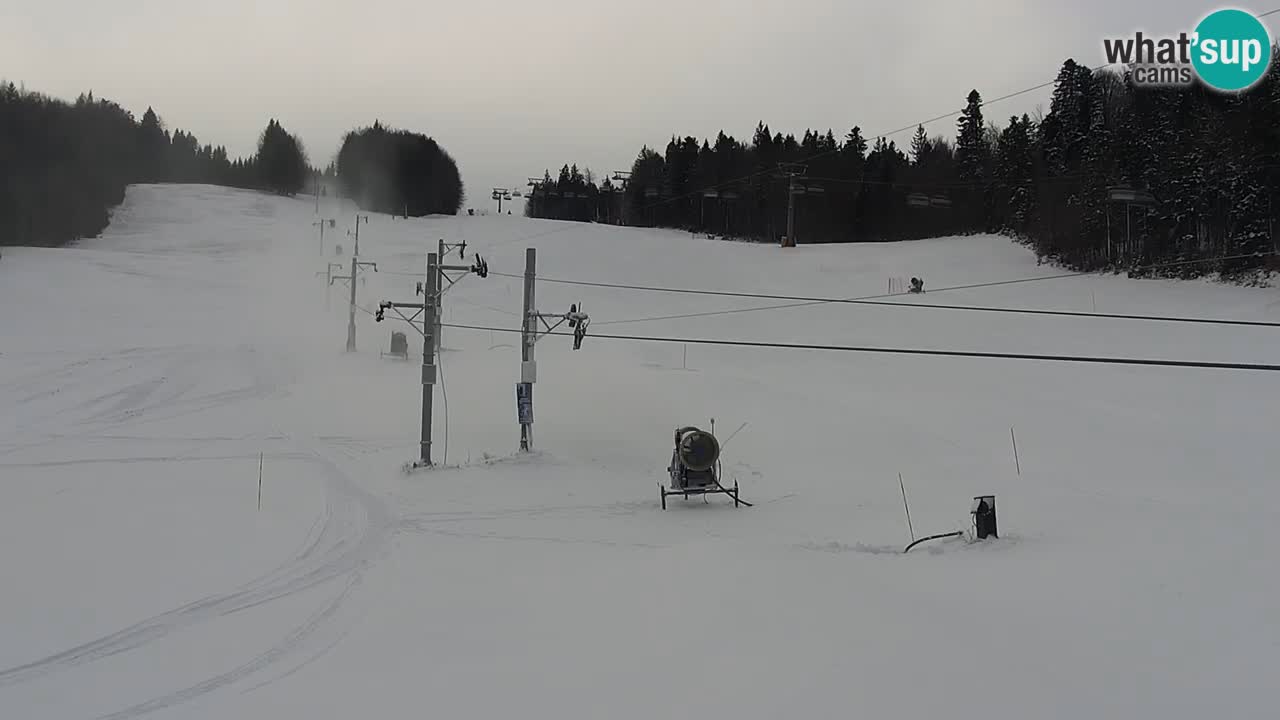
(1232, 50)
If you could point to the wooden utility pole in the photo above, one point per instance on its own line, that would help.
(355, 267)
(528, 334)
(351, 309)
(328, 281)
(791, 210)
(440, 251)
(430, 306)
(321, 223)
(359, 218)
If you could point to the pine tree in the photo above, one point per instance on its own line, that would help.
(1015, 168)
(855, 145)
(919, 145)
(282, 164)
(975, 200)
(153, 149)
(1097, 165)
(971, 143)
(647, 176)
(809, 145)
(1069, 118)
(762, 141)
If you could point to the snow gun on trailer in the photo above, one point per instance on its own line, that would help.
(695, 467)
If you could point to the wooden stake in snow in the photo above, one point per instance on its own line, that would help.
(259, 481)
(1016, 462)
(907, 507)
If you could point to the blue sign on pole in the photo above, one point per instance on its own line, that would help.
(524, 403)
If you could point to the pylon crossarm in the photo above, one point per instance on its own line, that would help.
(464, 269)
(561, 319)
(397, 306)
(411, 319)
(451, 281)
(412, 323)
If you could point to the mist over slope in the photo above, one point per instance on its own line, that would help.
(146, 372)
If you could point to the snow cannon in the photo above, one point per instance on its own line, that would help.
(698, 451)
(695, 467)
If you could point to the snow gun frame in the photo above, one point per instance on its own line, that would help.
(695, 467)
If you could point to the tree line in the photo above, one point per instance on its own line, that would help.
(66, 164)
(63, 166)
(1114, 175)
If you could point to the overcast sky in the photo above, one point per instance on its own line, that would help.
(513, 88)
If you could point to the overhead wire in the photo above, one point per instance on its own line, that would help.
(893, 350)
(802, 301)
(880, 300)
(909, 351)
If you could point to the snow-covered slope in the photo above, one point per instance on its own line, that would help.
(144, 373)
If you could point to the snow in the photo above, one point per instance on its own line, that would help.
(143, 373)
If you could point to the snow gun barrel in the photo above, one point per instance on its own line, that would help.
(698, 450)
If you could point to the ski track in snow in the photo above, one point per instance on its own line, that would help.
(351, 532)
(171, 397)
(120, 394)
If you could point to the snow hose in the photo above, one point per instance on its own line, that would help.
(733, 495)
(957, 533)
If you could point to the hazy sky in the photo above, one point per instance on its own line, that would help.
(513, 88)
